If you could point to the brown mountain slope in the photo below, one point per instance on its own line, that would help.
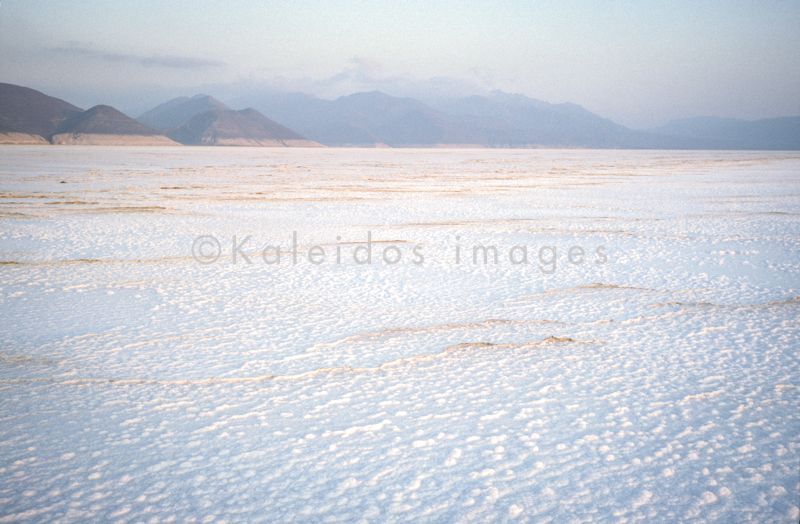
(226, 127)
(28, 116)
(104, 125)
(104, 120)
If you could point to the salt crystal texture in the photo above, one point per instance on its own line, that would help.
(659, 384)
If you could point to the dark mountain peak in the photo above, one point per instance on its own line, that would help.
(25, 110)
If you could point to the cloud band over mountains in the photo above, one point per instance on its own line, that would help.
(83, 51)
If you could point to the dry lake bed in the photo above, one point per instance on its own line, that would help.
(368, 335)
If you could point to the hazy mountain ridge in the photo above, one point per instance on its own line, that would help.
(373, 119)
(516, 120)
(364, 119)
(769, 133)
(247, 127)
(179, 111)
(497, 120)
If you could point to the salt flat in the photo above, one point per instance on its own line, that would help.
(649, 375)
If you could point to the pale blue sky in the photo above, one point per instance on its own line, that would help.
(638, 63)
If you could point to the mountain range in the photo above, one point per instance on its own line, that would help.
(30, 117)
(770, 133)
(501, 120)
(204, 120)
(369, 120)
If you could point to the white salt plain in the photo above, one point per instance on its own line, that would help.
(139, 385)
